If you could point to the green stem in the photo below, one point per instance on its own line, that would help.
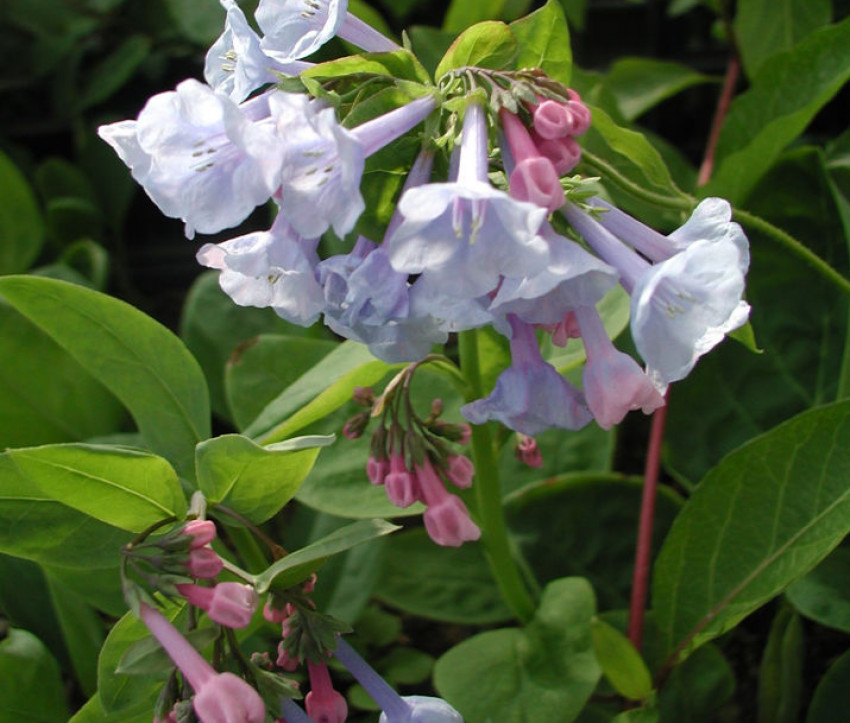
(686, 202)
(488, 495)
(248, 548)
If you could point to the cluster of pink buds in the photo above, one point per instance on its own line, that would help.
(414, 459)
(554, 127)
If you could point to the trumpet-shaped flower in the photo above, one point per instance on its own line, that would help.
(684, 305)
(530, 396)
(236, 64)
(199, 156)
(274, 268)
(462, 236)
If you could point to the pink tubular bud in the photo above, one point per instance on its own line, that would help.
(228, 699)
(377, 469)
(580, 112)
(285, 660)
(231, 604)
(563, 153)
(204, 563)
(273, 614)
(400, 484)
(528, 452)
(465, 434)
(536, 181)
(201, 531)
(448, 523)
(460, 471)
(552, 119)
(323, 703)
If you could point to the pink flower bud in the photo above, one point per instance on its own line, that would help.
(228, 699)
(465, 434)
(377, 469)
(323, 703)
(204, 563)
(460, 471)
(534, 180)
(400, 484)
(552, 119)
(563, 153)
(201, 531)
(580, 112)
(448, 523)
(309, 584)
(273, 614)
(229, 603)
(528, 452)
(285, 660)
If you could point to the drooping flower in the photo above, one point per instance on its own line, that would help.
(297, 28)
(228, 603)
(684, 305)
(236, 64)
(199, 156)
(463, 236)
(446, 518)
(323, 703)
(219, 697)
(614, 384)
(530, 396)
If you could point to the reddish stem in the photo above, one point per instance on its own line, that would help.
(643, 553)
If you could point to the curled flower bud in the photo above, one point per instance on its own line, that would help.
(355, 426)
(527, 451)
(460, 471)
(231, 604)
(377, 470)
(202, 532)
(365, 396)
(204, 563)
(284, 659)
(275, 614)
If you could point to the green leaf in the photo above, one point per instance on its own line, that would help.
(463, 13)
(35, 527)
(92, 712)
(547, 667)
(544, 42)
(30, 684)
(147, 657)
(406, 666)
(766, 27)
(621, 663)
(21, 223)
(299, 565)
(781, 672)
(215, 329)
(254, 481)
(136, 358)
(430, 45)
(824, 594)
(485, 45)
(768, 513)
(831, 694)
(642, 83)
(259, 369)
(318, 392)
(45, 395)
(788, 91)
(124, 488)
(439, 583)
(114, 71)
(199, 22)
(698, 689)
(399, 64)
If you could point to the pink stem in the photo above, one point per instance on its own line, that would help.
(194, 668)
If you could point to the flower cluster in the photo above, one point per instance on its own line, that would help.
(459, 252)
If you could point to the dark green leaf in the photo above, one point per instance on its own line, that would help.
(544, 42)
(21, 223)
(463, 13)
(547, 667)
(768, 513)
(440, 583)
(485, 45)
(781, 672)
(30, 684)
(201, 23)
(136, 358)
(824, 594)
(114, 71)
(831, 694)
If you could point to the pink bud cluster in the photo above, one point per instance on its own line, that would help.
(204, 562)
(555, 125)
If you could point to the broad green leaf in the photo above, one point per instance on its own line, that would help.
(82, 631)
(254, 481)
(318, 392)
(463, 13)
(698, 689)
(831, 694)
(92, 712)
(642, 83)
(136, 358)
(824, 594)
(766, 27)
(118, 692)
(768, 513)
(485, 45)
(125, 488)
(598, 546)
(430, 45)
(544, 42)
(788, 91)
(297, 566)
(547, 667)
(781, 672)
(215, 330)
(621, 663)
(114, 71)
(406, 666)
(30, 683)
(62, 403)
(100, 587)
(258, 370)
(732, 395)
(637, 158)
(21, 223)
(199, 22)
(637, 715)
(439, 583)
(400, 64)
(147, 657)
(35, 527)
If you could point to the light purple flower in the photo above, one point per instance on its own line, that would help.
(614, 384)
(297, 28)
(274, 268)
(199, 156)
(462, 236)
(236, 64)
(683, 305)
(530, 396)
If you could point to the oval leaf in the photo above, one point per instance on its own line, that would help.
(621, 662)
(489, 44)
